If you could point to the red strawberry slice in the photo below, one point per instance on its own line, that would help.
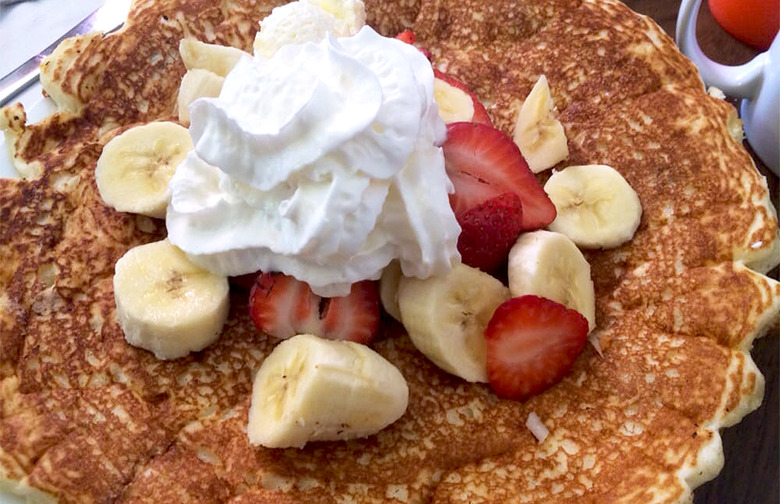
(531, 344)
(274, 303)
(282, 306)
(480, 114)
(483, 163)
(354, 317)
(489, 230)
(406, 36)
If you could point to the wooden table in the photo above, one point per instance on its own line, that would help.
(752, 471)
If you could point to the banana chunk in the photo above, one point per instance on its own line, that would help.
(350, 15)
(196, 83)
(550, 265)
(455, 105)
(597, 208)
(446, 317)
(212, 57)
(134, 169)
(312, 389)
(538, 132)
(388, 289)
(165, 303)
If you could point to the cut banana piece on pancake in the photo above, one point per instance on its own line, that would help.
(165, 303)
(446, 317)
(388, 289)
(312, 389)
(596, 207)
(455, 105)
(538, 132)
(212, 57)
(134, 169)
(196, 83)
(549, 265)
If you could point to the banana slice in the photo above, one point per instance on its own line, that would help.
(350, 15)
(550, 265)
(212, 57)
(312, 389)
(134, 169)
(165, 303)
(196, 83)
(538, 133)
(388, 289)
(596, 207)
(455, 105)
(446, 317)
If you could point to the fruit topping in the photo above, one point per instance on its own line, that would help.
(388, 289)
(310, 389)
(446, 317)
(282, 306)
(489, 230)
(196, 83)
(167, 304)
(532, 343)
(550, 265)
(596, 206)
(406, 36)
(135, 167)
(538, 132)
(484, 163)
(456, 102)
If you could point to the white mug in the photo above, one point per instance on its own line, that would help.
(756, 82)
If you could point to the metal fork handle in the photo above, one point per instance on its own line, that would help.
(20, 79)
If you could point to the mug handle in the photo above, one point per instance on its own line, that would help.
(743, 81)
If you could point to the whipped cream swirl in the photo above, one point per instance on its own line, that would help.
(322, 162)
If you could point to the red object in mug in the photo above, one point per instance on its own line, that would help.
(754, 22)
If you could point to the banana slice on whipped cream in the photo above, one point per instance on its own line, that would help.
(308, 21)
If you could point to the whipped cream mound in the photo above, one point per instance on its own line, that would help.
(308, 21)
(322, 162)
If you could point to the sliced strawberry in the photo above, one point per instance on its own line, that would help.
(480, 114)
(354, 317)
(282, 306)
(406, 36)
(483, 163)
(531, 344)
(274, 302)
(489, 230)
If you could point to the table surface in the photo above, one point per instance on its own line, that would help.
(751, 474)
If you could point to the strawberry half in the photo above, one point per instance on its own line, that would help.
(282, 306)
(480, 114)
(483, 163)
(531, 344)
(489, 230)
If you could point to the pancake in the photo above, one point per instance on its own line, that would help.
(84, 417)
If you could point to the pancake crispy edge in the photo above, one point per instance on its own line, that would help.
(86, 418)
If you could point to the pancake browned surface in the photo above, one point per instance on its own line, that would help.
(84, 417)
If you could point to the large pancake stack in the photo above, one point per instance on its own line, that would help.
(86, 418)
